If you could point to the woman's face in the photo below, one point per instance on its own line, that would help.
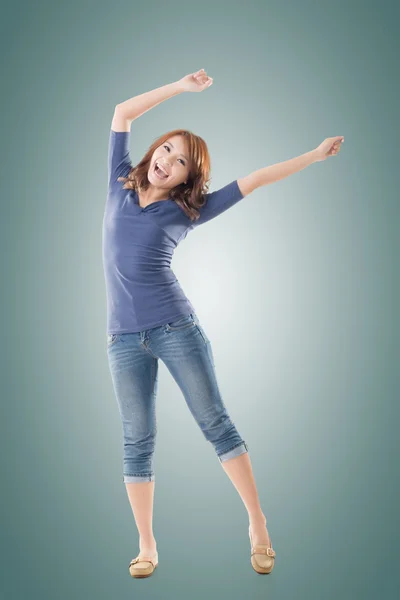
(173, 158)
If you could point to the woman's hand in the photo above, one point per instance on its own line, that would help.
(329, 147)
(195, 82)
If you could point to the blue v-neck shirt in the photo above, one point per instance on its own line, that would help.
(138, 245)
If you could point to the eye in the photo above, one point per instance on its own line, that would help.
(182, 161)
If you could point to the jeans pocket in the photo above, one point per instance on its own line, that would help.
(202, 333)
(112, 338)
(181, 323)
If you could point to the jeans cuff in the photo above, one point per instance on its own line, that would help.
(138, 478)
(235, 451)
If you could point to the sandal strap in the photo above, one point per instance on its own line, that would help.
(142, 559)
(261, 550)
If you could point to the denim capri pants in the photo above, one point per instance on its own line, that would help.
(186, 351)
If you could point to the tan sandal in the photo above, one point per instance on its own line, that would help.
(143, 566)
(262, 557)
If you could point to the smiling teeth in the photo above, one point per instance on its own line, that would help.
(160, 167)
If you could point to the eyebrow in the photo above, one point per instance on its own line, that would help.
(180, 154)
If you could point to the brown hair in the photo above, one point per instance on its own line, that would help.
(189, 197)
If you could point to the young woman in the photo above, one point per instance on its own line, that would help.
(150, 208)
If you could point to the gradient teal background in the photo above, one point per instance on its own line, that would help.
(296, 286)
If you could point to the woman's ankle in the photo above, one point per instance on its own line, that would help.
(148, 545)
(257, 519)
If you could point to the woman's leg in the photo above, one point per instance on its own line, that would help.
(186, 351)
(134, 374)
(141, 498)
(239, 471)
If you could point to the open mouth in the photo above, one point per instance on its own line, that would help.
(159, 172)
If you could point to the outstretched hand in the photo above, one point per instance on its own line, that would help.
(329, 147)
(196, 82)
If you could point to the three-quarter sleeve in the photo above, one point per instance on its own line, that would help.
(119, 160)
(218, 202)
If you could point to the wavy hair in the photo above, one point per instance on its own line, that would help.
(189, 196)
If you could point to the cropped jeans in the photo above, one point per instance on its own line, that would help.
(186, 351)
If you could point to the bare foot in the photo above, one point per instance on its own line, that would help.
(259, 533)
(146, 555)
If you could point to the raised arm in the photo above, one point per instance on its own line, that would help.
(267, 175)
(218, 202)
(131, 109)
(119, 160)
